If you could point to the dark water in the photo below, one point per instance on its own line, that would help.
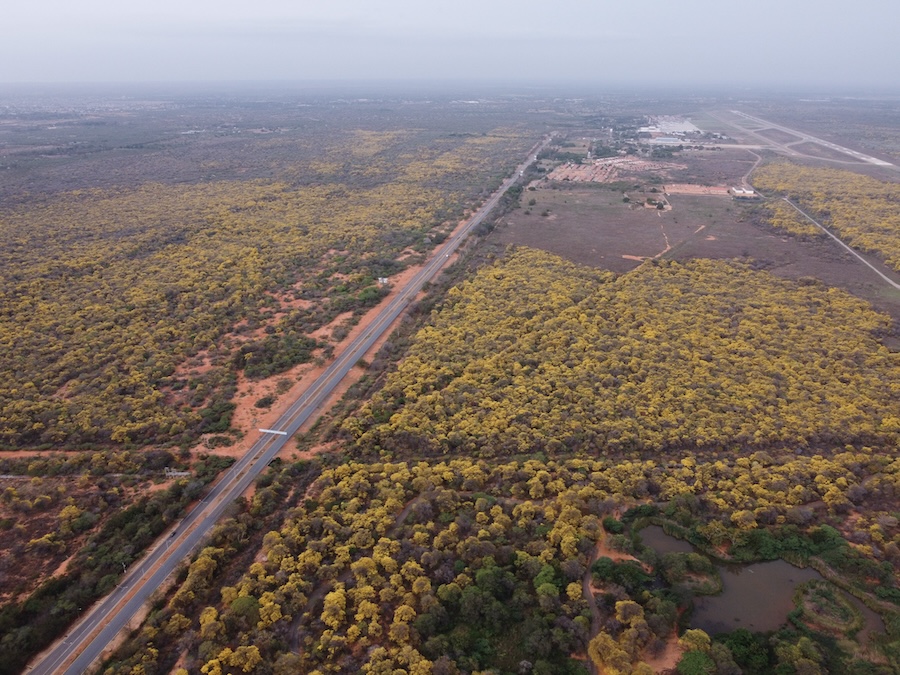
(654, 537)
(872, 623)
(757, 597)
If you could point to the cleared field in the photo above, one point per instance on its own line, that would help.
(692, 189)
(713, 167)
(592, 226)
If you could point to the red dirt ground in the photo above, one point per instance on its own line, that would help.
(247, 418)
(691, 189)
(669, 657)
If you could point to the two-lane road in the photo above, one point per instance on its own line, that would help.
(90, 636)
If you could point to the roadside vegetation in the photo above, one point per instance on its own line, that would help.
(82, 520)
(107, 294)
(467, 565)
(861, 210)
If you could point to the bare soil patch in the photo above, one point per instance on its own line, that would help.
(666, 660)
(604, 551)
(324, 333)
(406, 253)
(694, 189)
(594, 226)
(24, 453)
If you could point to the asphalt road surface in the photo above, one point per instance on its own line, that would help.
(87, 639)
(805, 137)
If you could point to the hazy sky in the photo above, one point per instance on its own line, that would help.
(780, 42)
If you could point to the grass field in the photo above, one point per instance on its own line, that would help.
(592, 225)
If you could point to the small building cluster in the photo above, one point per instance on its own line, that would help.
(742, 193)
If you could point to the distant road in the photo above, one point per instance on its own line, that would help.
(86, 641)
(805, 137)
(846, 247)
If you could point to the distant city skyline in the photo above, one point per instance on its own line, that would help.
(822, 44)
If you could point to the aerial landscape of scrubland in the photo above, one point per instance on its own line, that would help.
(510, 381)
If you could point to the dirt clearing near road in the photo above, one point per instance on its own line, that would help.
(592, 225)
(595, 226)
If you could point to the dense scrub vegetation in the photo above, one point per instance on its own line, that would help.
(861, 210)
(96, 529)
(785, 218)
(106, 293)
(50, 505)
(536, 353)
(466, 566)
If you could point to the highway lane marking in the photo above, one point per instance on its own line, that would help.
(249, 465)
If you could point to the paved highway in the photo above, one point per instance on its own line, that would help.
(89, 637)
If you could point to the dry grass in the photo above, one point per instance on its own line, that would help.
(591, 225)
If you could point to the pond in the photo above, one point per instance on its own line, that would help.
(757, 597)
(654, 537)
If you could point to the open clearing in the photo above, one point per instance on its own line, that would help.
(594, 226)
(713, 167)
(591, 225)
(692, 189)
